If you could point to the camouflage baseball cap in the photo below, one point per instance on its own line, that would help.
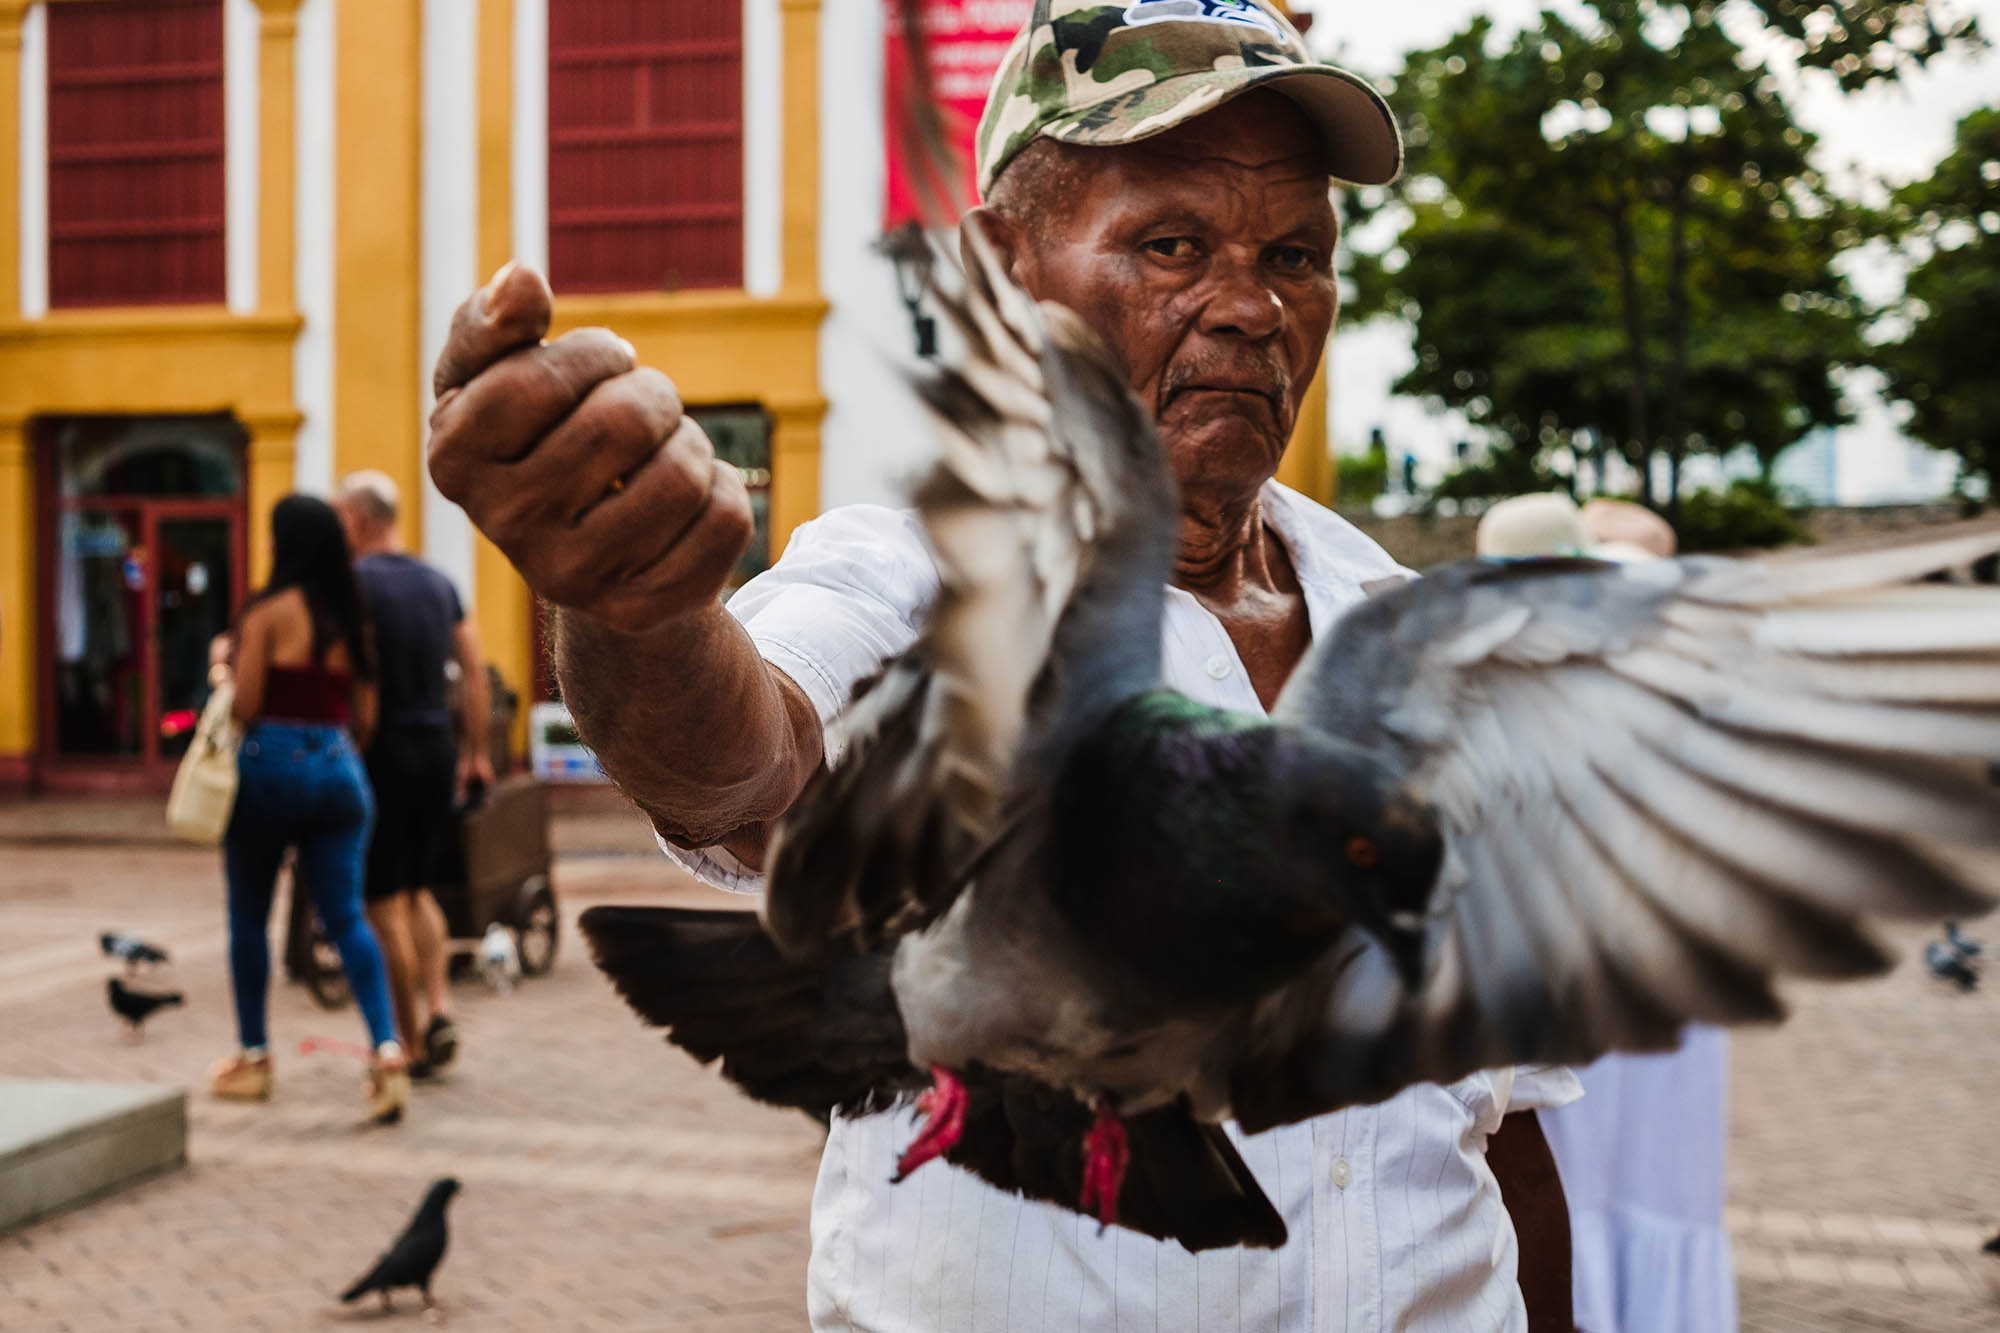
(1092, 73)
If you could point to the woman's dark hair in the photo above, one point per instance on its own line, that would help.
(309, 552)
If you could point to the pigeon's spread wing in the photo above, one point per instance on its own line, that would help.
(1051, 514)
(1661, 786)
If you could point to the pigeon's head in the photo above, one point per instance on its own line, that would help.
(440, 1194)
(1370, 844)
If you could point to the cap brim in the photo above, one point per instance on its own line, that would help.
(1363, 145)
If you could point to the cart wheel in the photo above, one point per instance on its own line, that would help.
(323, 974)
(538, 929)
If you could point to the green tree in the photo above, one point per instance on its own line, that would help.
(1616, 234)
(1946, 365)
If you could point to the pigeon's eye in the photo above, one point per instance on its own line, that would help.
(1361, 853)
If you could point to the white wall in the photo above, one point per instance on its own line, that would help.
(763, 147)
(530, 155)
(239, 154)
(34, 113)
(874, 441)
(448, 247)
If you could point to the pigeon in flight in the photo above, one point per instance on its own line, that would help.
(1510, 813)
(414, 1257)
(130, 949)
(136, 1006)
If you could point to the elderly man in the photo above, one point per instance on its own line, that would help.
(1163, 169)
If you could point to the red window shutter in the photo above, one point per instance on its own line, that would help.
(645, 145)
(135, 152)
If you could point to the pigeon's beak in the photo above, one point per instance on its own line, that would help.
(1405, 938)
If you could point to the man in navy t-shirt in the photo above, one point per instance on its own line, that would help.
(418, 762)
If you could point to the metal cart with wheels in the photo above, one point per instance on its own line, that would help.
(492, 867)
(497, 870)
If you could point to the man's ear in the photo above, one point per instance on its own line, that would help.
(1002, 234)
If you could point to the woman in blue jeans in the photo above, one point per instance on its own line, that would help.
(304, 675)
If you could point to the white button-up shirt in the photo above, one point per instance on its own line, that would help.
(1396, 1221)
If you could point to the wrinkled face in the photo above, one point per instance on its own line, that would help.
(1204, 257)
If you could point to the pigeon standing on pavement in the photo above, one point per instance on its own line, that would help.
(130, 949)
(414, 1257)
(1511, 813)
(136, 1006)
(1950, 964)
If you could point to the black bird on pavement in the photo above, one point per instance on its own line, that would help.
(130, 949)
(416, 1253)
(136, 1006)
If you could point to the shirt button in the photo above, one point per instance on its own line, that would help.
(1343, 1174)
(1217, 667)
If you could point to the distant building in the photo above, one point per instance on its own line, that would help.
(232, 234)
(1810, 469)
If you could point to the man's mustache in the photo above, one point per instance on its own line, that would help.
(1264, 375)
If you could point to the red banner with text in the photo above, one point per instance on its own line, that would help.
(966, 39)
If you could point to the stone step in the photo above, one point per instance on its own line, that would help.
(63, 1142)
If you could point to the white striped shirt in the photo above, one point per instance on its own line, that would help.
(1395, 1218)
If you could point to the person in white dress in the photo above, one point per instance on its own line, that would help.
(1642, 1154)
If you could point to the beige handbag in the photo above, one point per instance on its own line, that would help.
(204, 793)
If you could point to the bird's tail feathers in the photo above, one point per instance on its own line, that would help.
(1186, 1181)
(810, 1035)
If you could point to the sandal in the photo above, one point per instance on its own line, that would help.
(440, 1041)
(388, 1089)
(238, 1078)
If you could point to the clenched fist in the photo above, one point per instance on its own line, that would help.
(579, 464)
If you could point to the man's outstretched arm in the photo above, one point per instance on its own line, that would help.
(582, 468)
(705, 736)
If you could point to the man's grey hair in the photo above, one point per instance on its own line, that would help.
(373, 493)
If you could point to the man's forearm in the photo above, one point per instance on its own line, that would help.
(689, 721)
(477, 706)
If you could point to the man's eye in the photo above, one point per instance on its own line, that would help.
(1173, 247)
(1294, 258)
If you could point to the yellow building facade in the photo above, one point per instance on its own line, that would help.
(378, 160)
(378, 168)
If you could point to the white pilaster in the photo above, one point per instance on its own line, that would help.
(531, 134)
(312, 244)
(239, 154)
(449, 245)
(763, 147)
(35, 162)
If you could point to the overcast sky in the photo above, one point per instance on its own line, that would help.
(1893, 131)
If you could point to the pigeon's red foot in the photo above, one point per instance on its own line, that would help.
(1106, 1154)
(944, 1110)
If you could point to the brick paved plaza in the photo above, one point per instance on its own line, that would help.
(608, 1183)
